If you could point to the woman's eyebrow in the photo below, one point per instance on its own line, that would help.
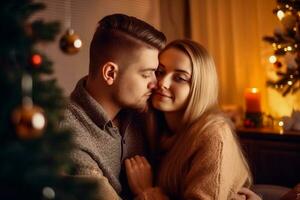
(182, 71)
(162, 65)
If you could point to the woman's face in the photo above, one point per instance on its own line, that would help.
(173, 81)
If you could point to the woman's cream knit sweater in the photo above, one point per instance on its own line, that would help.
(216, 169)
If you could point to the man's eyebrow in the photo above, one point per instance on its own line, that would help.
(148, 69)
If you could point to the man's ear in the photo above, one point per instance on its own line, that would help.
(109, 72)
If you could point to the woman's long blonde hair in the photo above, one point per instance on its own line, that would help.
(198, 115)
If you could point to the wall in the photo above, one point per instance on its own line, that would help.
(84, 18)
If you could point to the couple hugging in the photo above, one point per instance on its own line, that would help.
(146, 121)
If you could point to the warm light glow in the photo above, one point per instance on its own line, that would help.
(290, 82)
(49, 193)
(254, 90)
(279, 46)
(38, 121)
(291, 76)
(272, 59)
(287, 6)
(295, 45)
(36, 59)
(280, 14)
(253, 100)
(289, 48)
(280, 123)
(77, 43)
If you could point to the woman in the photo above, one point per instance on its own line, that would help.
(200, 156)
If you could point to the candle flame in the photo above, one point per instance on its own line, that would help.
(254, 90)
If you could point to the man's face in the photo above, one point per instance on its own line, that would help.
(137, 80)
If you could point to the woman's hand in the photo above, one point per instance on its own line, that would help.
(139, 174)
(246, 194)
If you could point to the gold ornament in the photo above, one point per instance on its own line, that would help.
(29, 121)
(70, 42)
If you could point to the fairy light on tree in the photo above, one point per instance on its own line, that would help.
(286, 42)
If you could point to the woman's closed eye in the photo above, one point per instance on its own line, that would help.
(181, 78)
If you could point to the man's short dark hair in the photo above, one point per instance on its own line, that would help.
(118, 36)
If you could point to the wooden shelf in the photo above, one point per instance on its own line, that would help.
(268, 134)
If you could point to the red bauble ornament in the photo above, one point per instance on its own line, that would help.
(36, 60)
(248, 123)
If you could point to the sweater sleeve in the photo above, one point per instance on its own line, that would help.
(86, 167)
(205, 175)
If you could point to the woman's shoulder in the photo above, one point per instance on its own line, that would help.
(214, 127)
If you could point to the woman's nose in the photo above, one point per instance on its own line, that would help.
(164, 82)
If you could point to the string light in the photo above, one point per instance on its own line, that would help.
(290, 82)
(280, 123)
(289, 48)
(280, 14)
(272, 59)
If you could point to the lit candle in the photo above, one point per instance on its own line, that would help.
(253, 100)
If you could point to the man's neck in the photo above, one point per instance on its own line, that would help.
(103, 99)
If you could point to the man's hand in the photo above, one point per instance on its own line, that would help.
(246, 194)
(139, 174)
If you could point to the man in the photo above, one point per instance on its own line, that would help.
(123, 59)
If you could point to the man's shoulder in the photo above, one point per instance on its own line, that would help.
(71, 112)
(74, 117)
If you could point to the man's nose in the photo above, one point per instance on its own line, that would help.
(153, 83)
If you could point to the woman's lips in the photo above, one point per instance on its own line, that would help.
(163, 95)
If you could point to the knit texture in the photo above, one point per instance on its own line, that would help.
(212, 164)
(100, 147)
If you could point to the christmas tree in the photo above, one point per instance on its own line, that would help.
(286, 45)
(33, 149)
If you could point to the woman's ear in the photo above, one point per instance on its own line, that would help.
(109, 72)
